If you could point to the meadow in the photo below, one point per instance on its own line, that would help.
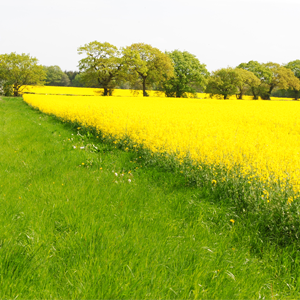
(148, 198)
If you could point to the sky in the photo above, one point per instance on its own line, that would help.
(220, 33)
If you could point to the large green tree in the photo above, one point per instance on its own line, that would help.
(189, 74)
(223, 82)
(147, 64)
(56, 77)
(272, 76)
(102, 65)
(17, 70)
(246, 80)
(295, 67)
(281, 78)
(261, 72)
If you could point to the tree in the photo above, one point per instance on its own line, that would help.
(18, 70)
(77, 81)
(281, 77)
(246, 80)
(103, 65)
(6, 89)
(147, 64)
(261, 72)
(65, 81)
(189, 74)
(72, 75)
(223, 82)
(294, 66)
(56, 77)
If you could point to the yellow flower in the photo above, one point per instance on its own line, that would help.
(290, 200)
(177, 128)
(232, 221)
(214, 181)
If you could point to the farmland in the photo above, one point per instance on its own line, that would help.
(245, 136)
(80, 91)
(234, 148)
(127, 197)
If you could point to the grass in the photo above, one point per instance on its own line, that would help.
(71, 228)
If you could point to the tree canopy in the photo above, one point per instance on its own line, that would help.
(246, 80)
(102, 66)
(189, 74)
(77, 81)
(72, 75)
(261, 72)
(56, 77)
(294, 66)
(17, 70)
(223, 82)
(281, 77)
(147, 64)
(141, 66)
(272, 76)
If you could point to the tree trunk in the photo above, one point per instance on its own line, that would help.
(267, 96)
(178, 92)
(16, 91)
(296, 94)
(105, 86)
(225, 96)
(240, 96)
(144, 87)
(254, 93)
(105, 91)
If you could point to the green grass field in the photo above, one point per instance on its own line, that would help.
(96, 223)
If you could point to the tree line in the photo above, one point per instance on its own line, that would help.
(141, 66)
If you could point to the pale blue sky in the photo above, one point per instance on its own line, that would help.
(220, 33)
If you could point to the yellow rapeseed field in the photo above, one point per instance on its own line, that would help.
(64, 90)
(257, 139)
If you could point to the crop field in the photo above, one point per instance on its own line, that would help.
(255, 140)
(81, 91)
(62, 90)
(147, 198)
(245, 152)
